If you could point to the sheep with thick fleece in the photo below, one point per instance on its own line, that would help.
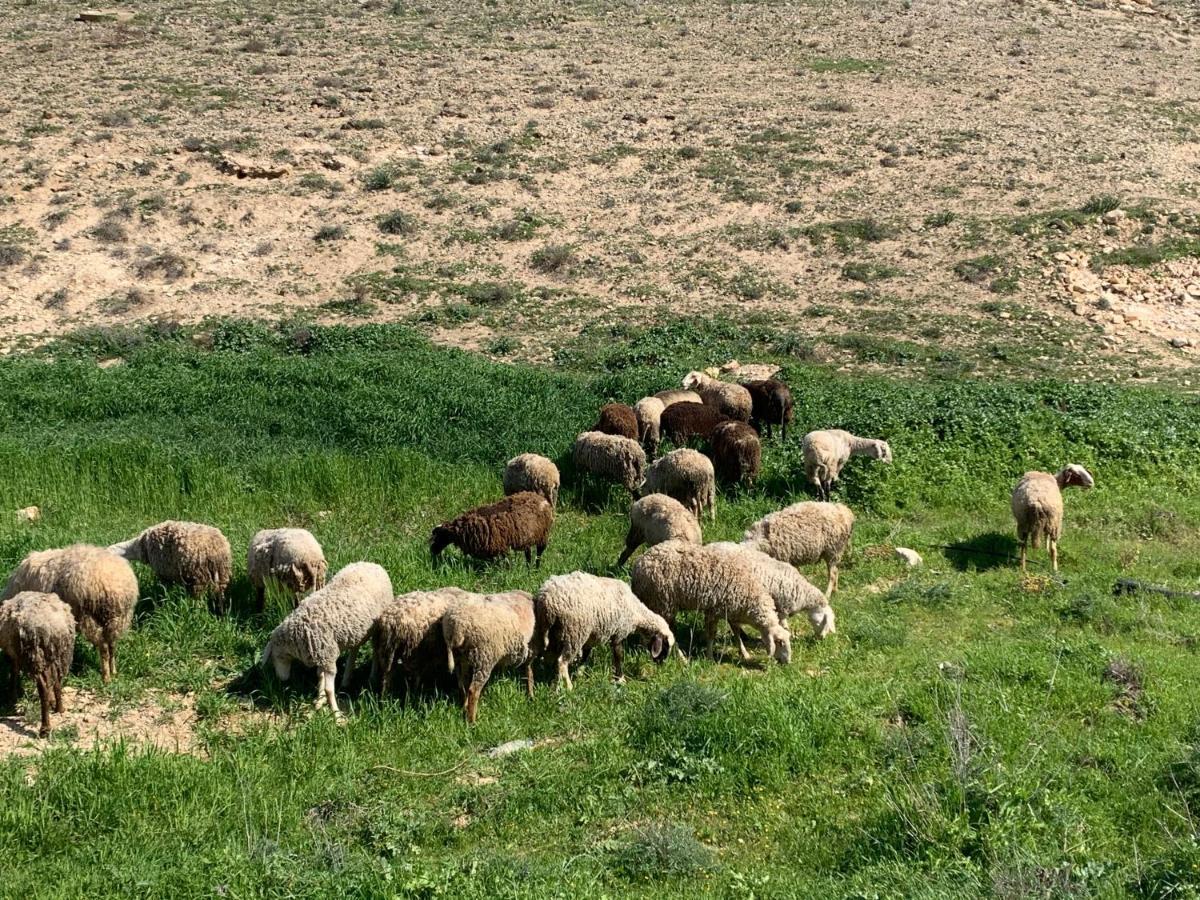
(37, 631)
(731, 400)
(737, 452)
(188, 553)
(530, 472)
(520, 522)
(676, 395)
(805, 533)
(610, 456)
(329, 622)
(791, 591)
(825, 452)
(575, 612)
(680, 422)
(1037, 505)
(484, 632)
(648, 412)
(656, 518)
(675, 576)
(771, 404)
(409, 631)
(99, 586)
(617, 418)
(290, 556)
(688, 476)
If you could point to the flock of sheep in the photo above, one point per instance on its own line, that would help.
(753, 583)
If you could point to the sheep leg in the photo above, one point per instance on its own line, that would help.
(351, 662)
(710, 635)
(329, 686)
(528, 556)
(14, 681)
(1054, 555)
(529, 678)
(741, 639)
(58, 701)
(260, 597)
(44, 697)
(564, 673)
(1023, 544)
(618, 655)
(471, 704)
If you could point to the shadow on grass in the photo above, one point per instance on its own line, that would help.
(991, 550)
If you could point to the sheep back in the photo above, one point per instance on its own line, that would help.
(737, 452)
(680, 422)
(530, 472)
(619, 419)
(804, 533)
(484, 632)
(616, 458)
(291, 556)
(688, 476)
(657, 517)
(519, 522)
(649, 412)
(1037, 505)
(188, 553)
(732, 400)
(37, 631)
(770, 403)
(676, 395)
(577, 610)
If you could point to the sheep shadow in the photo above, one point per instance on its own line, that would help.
(990, 550)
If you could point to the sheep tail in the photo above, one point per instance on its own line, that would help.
(266, 654)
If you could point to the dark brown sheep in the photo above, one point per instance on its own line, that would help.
(618, 419)
(683, 421)
(519, 522)
(737, 453)
(772, 402)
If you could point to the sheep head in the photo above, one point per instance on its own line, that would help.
(822, 620)
(779, 644)
(443, 536)
(1075, 476)
(662, 639)
(693, 380)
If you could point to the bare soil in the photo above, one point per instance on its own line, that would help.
(883, 182)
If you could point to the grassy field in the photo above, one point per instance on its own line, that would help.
(965, 733)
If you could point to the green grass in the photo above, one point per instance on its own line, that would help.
(962, 734)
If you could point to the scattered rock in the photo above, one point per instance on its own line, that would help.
(910, 557)
(1114, 217)
(244, 168)
(104, 15)
(1180, 342)
(333, 163)
(29, 514)
(508, 747)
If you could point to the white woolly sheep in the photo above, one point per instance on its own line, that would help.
(331, 621)
(409, 630)
(656, 518)
(649, 412)
(825, 452)
(530, 472)
(729, 399)
(1037, 505)
(482, 633)
(805, 533)
(791, 591)
(37, 631)
(675, 395)
(290, 556)
(675, 576)
(575, 612)
(688, 476)
(610, 456)
(99, 586)
(188, 553)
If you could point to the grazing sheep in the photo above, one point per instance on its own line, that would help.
(730, 400)
(825, 452)
(657, 518)
(610, 456)
(791, 591)
(188, 553)
(737, 452)
(617, 418)
(99, 586)
(519, 522)
(482, 633)
(37, 631)
(675, 576)
(675, 395)
(575, 612)
(337, 618)
(530, 472)
(649, 412)
(804, 533)
(688, 476)
(290, 556)
(771, 404)
(410, 630)
(1037, 505)
(680, 422)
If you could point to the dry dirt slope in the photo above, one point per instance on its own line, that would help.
(890, 182)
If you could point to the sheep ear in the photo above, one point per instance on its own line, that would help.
(658, 648)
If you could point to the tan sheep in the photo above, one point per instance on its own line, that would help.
(37, 632)
(648, 412)
(482, 633)
(530, 472)
(675, 395)
(290, 556)
(825, 452)
(805, 533)
(99, 586)
(188, 553)
(730, 400)
(1037, 505)
(689, 477)
(409, 631)
(610, 456)
(656, 518)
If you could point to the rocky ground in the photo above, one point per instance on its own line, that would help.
(985, 187)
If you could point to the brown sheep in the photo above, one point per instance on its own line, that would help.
(619, 419)
(37, 631)
(737, 453)
(771, 404)
(519, 522)
(682, 421)
(187, 553)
